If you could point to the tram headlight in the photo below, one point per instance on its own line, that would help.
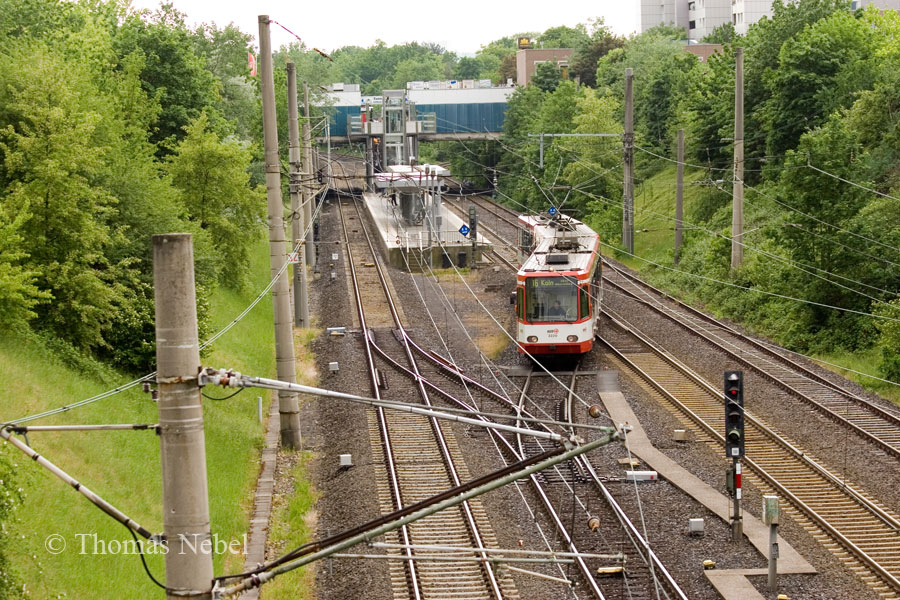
(532, 338)
(572, 338)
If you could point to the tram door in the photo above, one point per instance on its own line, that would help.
(526, 244)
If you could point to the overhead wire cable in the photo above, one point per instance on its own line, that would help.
(853, 183)
(786, 261)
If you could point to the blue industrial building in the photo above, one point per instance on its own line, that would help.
(465, 111)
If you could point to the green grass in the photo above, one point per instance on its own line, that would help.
(654, 213)
(124, 467)
(292, 524)
(863, 362)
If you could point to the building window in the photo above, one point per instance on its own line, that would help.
(692, 25)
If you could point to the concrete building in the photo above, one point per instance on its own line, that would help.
(663, 12)
(882, 4)
(745, 13)
(527, 61)
(706, 15)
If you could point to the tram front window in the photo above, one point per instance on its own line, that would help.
(551, 299)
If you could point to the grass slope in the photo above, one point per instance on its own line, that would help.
(654, 240)
(123, 467)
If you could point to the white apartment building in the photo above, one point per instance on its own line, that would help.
(744, 13)
(706, 15)
(700, 17)
(664, 12)
(882, 4)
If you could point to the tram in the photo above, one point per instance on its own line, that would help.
(558, 286)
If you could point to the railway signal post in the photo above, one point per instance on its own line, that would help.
(734, 443)
(770, 518)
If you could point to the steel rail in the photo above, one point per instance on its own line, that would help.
(885, 576)
(450, 370)
(382, 422)
(805, 371)
(484, 204)
(886, 416)
(490, 574)
(566, 535)
(631, 529)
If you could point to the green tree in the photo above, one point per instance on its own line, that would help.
(819, 70)
(173, 72)
(589, 52)
(468, 68)
(818, 232)
(18, 292)
(664, 74)
(224, 53)
(592, 173)
(53, 153)
(564, 37)
(546, 76)
(424, 68)
(211, 177)
(889, 340)
(723, 34)
(762, 51)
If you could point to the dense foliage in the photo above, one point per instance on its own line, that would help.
(820, 93)
(115, 125)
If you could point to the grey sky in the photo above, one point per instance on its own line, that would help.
(460, 26)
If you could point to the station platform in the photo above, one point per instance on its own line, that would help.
(407, 246)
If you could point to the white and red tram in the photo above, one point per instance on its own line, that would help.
(558, 287)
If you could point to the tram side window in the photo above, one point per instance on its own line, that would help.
(526, 240)
(585, 294)
(551, 299)
(520, 303)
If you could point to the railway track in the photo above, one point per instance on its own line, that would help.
(646, 576)
(643, 576)
(873, 423)
(421, 457)
(859, 531)
(503, 251)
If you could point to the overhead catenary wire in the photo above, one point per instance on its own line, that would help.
(787, 206)
(606, 200)
(853, 183)
(728, 283)
(468, 391)
(462, 325)
(569, 389)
